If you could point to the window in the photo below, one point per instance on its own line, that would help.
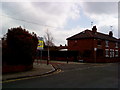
(111, 52)
(116, 53)
(106, 42)
(99, 42)
(106, 52)
(116, 45)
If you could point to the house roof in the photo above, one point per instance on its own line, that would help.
(119, 40)
(90, 34)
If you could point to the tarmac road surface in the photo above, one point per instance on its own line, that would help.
(74, 76)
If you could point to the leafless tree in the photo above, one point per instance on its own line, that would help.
(48, 38)
(48, 42)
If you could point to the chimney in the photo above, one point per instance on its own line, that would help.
(110, 33)
(94, 29)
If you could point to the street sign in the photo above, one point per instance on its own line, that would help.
(40, 43)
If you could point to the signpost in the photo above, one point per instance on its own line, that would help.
(40, 45)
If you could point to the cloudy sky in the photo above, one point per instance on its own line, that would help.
(62, 19)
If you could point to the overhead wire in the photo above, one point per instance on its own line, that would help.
(28, 21)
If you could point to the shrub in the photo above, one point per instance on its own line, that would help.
(19, 47)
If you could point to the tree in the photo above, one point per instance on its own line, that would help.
(48, 42)
(19, 47)
(48, 39)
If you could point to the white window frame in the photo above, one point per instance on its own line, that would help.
(107, 43)
(106, 52)
(116, 45)
(116, 53)
(110, 52)
(113, 53)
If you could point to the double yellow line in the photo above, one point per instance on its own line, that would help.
(31, 77)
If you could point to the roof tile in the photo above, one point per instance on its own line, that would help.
(90, 34)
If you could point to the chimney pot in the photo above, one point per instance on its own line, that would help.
(94, 29)
(110, 33)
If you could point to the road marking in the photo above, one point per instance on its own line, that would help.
(56, 72)
(18, 79)
(6, 81)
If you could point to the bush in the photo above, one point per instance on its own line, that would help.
(19, 47)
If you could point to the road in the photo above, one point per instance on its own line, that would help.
(74, 76)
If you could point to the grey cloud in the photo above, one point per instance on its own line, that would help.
(50, 7)
(105, 29)
(101, 7)
(52, 14)
(104, 13)
(12, 8)
(40, 12)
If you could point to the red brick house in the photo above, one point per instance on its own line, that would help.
(94, 46)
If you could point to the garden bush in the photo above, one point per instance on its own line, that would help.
(19, 47)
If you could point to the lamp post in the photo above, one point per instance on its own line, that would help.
(95, 49)
(48, 56)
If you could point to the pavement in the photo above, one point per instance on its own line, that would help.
(39, 69)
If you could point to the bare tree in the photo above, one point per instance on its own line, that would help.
(48, 42)
(48, 39)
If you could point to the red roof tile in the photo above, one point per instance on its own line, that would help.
(90, 34)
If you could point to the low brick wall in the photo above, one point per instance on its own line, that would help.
(18, 68)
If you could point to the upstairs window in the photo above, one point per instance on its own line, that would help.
(107, 43)
(116, 45)
(99, 42)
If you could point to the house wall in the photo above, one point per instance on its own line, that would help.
(111, 45)
(80, 45)
(89, 44)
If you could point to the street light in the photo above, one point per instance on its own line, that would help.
(95, 49)
(48, 56)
